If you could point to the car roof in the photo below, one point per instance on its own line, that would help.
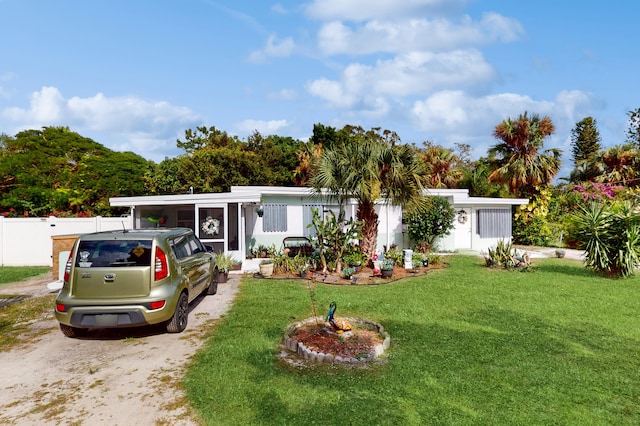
(131, 234)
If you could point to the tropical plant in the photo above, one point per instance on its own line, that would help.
(368, 168)
(519, 164)
(619, 165)
(425, 225)
(348, 271)
(333, 237)
(440, 166)
(387, 265)
(223, 261)
(610, 235)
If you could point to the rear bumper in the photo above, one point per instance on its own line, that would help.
(117, 318)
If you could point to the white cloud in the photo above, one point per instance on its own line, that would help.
(126, 123)
(273, 48)
(265, 127)
(405, 75)
(284, 95)
(389, 36)
(360, 10)
(454, 116)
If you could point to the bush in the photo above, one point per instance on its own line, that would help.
(610, 236)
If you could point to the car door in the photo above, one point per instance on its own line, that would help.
(201, 263)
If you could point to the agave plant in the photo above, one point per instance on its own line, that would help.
(610, 236)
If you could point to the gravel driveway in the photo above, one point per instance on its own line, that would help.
(110, 377)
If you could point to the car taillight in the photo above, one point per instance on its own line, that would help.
(67, 268)
(61, 307)
(157, 305)
(162, 269)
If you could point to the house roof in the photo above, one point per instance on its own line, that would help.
(461, 196)
(254, 194)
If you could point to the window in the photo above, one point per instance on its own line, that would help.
(307, 218)
(186, 219)
(275, 218)
(494, 223)
(122, 253)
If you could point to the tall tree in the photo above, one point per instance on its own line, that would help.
(369, 167)
(633, 132)
(585, 145)
(57, 171)
(519, 164)
(440, 165)
(619, 165)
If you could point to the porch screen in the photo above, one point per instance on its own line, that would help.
(494, 223)
(307, 218)
(274, 218)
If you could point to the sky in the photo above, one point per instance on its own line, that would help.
(134, 75)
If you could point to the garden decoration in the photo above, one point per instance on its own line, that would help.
(211, 226)
(339, 325)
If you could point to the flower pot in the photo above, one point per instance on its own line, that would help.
(386, 273)
(266, 269)
(221, 276)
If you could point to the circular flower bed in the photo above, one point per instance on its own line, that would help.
(316, 341)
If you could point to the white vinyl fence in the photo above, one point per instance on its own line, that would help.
(27, 241)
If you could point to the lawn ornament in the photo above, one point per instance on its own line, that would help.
(339, 325)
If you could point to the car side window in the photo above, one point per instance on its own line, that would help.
(180, 246)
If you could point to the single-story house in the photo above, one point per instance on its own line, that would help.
(246, 217)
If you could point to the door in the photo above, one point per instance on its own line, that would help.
(211, 226)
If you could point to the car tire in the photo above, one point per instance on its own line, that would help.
(69, 331)
(178, 321)
(213, 285)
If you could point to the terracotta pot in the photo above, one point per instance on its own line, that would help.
(266, 270)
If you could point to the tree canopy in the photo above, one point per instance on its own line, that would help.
(57, 171)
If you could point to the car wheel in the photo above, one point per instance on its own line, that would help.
(69, 331)
(178, 321)
(213, 285)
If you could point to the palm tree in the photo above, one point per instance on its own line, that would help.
(519, 164)
(440, 164)
(618, 164)
(369, 167)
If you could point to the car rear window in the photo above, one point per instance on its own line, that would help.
(98, 254)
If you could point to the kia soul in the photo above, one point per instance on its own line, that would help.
(133, 278)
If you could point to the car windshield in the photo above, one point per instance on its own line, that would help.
(97, 254)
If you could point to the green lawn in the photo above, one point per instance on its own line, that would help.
(11, 274)
(470, 345)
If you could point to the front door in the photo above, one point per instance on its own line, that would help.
(211, 222)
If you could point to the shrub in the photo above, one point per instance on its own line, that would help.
(610, 236)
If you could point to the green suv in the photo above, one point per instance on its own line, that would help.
(132, 278)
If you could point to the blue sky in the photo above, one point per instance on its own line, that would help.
(134, 75)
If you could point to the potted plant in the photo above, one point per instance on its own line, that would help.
(348, 271)
(223, 266)
(266, 268)
(418, 259)
(236, 265)
(386, 270)
(354, 260)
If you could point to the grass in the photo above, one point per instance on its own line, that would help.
(11, 274)
(16, 320)
(470, 345)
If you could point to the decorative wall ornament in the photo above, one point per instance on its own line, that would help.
(462, 216)
(211, 226)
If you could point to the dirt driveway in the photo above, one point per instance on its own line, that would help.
(119, 377)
